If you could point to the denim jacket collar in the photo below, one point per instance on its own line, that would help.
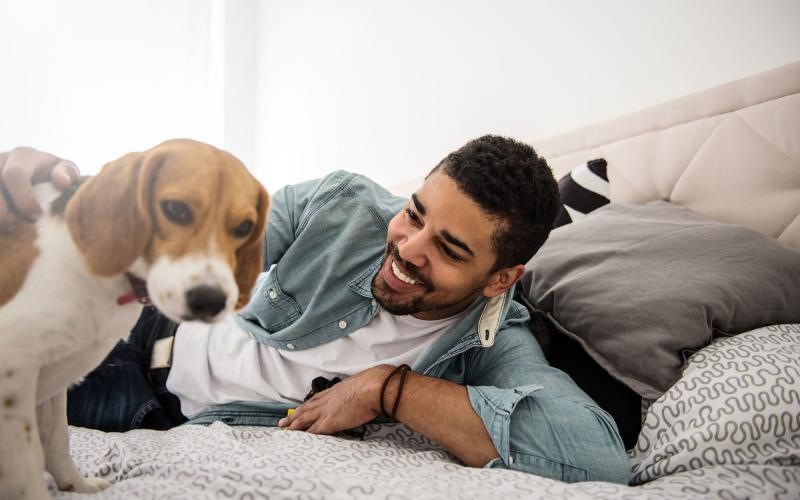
(477, 328)
(362, 285)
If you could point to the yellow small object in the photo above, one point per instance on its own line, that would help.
(289, 411)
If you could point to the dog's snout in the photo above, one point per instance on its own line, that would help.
(205, 302)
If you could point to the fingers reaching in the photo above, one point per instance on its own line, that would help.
(5, 215)
(299, 420)
(64, 174)
(17, 183)
(20, 169)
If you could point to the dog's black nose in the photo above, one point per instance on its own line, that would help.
(205, 301)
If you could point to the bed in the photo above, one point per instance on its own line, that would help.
(726, 425)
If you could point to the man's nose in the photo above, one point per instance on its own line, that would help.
(413, 249)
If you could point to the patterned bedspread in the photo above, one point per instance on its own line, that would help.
(730, 428)
(390, 462)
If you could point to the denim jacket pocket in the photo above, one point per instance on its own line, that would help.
(271, 307)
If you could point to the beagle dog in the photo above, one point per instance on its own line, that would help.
(184, 218)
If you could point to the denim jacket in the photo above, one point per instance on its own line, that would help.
(324, 244)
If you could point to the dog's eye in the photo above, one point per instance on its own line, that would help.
(177, 211)
(243, 229)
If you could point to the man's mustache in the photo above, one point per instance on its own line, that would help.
(410, 269)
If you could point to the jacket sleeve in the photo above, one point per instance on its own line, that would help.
(539, 420)
(290, 206)
(281, 225)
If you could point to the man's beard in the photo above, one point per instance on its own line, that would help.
(382, 292)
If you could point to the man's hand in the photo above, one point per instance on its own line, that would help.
(20, 169)
(436, 408)
(346, 405)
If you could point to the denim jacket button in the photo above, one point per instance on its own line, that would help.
(273, 294)
(290, 346)
(343, 324)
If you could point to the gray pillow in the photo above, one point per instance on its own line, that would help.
(642, 287)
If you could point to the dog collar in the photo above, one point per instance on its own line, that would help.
(139, 292)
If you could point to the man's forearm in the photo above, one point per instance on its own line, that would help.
(436, 408)
(441, 411)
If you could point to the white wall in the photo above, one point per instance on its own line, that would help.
(298, 88)
(388, 88)
(92, 79)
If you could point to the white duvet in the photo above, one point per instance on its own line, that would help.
(194, 462)
(730, 428)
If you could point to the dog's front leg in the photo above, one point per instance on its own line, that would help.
(21, 459)
(54, 432)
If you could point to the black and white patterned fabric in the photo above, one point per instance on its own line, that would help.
(391, 462)
(582, 190)
(737, 404)
(729, 428)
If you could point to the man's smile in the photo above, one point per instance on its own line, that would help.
(403, 277)
(399, 278)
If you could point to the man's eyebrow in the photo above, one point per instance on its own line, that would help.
(420, 207)
(445, 233)
(455, 241)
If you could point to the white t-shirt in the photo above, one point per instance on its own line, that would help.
(219, 363)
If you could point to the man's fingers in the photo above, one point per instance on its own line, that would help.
(18, 186)
(64, 174)
(5, 216)
(36, 164)
(20, 169)
(300, 423)
(316, 428)
(299, 420)
(287, 420)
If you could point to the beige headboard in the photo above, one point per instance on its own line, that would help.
(731, 153)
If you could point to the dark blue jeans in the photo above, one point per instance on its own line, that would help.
(123, 393)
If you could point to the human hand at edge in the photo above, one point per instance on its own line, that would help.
(20, 169)
(352, 402)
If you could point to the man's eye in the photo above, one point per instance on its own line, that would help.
(177, 211)
(411, 215)
(449, 253)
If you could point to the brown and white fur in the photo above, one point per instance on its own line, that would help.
(61, 277)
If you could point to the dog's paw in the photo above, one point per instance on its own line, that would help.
(90, 485)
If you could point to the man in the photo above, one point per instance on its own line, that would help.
(358, 282)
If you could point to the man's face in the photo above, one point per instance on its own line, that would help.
(439, 254)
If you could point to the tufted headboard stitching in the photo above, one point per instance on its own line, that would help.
(731, 153)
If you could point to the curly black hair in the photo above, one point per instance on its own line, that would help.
(509, 181)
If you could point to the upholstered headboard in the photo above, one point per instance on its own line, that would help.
(731, 153)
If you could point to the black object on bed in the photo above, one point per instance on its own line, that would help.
(621, 402)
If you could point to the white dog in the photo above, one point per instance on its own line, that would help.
(184, 218)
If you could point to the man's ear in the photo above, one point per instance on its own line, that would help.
(502, 280)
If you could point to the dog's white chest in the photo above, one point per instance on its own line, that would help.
(63, 318)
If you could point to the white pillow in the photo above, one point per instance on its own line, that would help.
(738, 402)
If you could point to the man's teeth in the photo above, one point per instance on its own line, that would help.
(402, 277)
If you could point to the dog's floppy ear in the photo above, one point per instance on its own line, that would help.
(109, 217)
(250, 256)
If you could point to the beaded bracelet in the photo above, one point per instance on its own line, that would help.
(402, 369)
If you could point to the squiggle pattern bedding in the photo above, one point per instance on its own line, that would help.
(730, 428)
(391, 462)
(738, 402)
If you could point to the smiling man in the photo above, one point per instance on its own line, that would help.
(360, 285)
(439, 274)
